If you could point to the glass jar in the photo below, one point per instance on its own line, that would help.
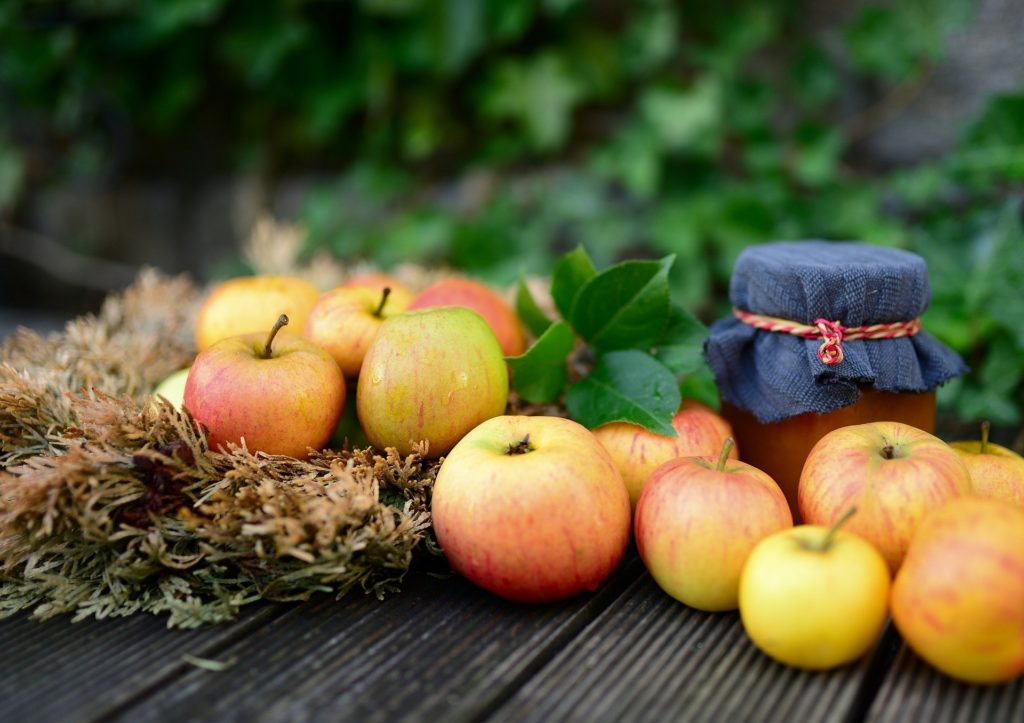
(823, 335)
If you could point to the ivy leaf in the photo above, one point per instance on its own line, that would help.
(529, 313)
(681, 345)
(626, 386)
(540, 93)
(538, 375)
(624, 307)
(570, 275)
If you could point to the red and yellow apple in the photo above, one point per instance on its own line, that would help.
(344, 321)
(251, 305)
(637, 452)
(958, 600)
(400, 296)
(481, 299)
(430, 375)
(697, 520)
(996, 472)
(894, 474)
(814, 597)
(282, 396)
(531, 509)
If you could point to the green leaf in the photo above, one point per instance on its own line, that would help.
(530, 314)
(538, 375)
(540, 93)
(700, 386)
(570, 275)
(681, 345)
(624, 307)
(684, 119)
(626, 386)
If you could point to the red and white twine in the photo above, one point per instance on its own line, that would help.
(832, 332)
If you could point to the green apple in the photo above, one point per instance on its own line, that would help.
(531, 508)
(173, 388)
(281, 398)
(430, 375)
(483, 300)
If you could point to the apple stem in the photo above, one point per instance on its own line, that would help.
(723, 456)
(384, 294)
(281, 321)
(520, 447)
(986, 428)
(827, 541)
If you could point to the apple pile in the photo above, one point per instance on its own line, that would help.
(536, 508)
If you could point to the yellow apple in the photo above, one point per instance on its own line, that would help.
(344, 321)
(814, 597)
(251, 305)
(958, 600)
(281, 397)
(430, 375)
(996, 471)
(697, 520)
(531, 508)
(637, 452)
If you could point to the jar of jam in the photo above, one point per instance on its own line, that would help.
(823, 335)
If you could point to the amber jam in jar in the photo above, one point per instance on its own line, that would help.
(823, 335)
(780, 448)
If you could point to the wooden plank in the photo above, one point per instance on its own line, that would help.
(440, 650)
(55, 670)
(650, 658)
(915, 691)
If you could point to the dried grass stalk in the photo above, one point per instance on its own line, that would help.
(111, 504)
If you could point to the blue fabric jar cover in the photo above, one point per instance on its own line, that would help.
(775, 376)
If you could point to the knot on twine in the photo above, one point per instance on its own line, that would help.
(831, 332)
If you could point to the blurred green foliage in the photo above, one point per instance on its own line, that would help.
(497, 134)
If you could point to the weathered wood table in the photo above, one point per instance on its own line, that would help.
(442, 650)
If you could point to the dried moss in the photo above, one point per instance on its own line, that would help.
(112, 504)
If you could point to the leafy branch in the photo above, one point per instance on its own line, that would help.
(620, 325)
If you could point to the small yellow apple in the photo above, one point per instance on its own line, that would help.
(814, 597)
(251, 305)
(996, 472)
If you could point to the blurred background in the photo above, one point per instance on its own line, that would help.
(493, 135)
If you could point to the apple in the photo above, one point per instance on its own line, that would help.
(401, 294)
(637, 452)
(173, 388)
(531, 509)
(430, 375)
(481, 299)
(697, 521)
(281, 398)
(892, 472)
(251, 304)
(958, 600)
(814, 597)
(996, 471)
(344, 321)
